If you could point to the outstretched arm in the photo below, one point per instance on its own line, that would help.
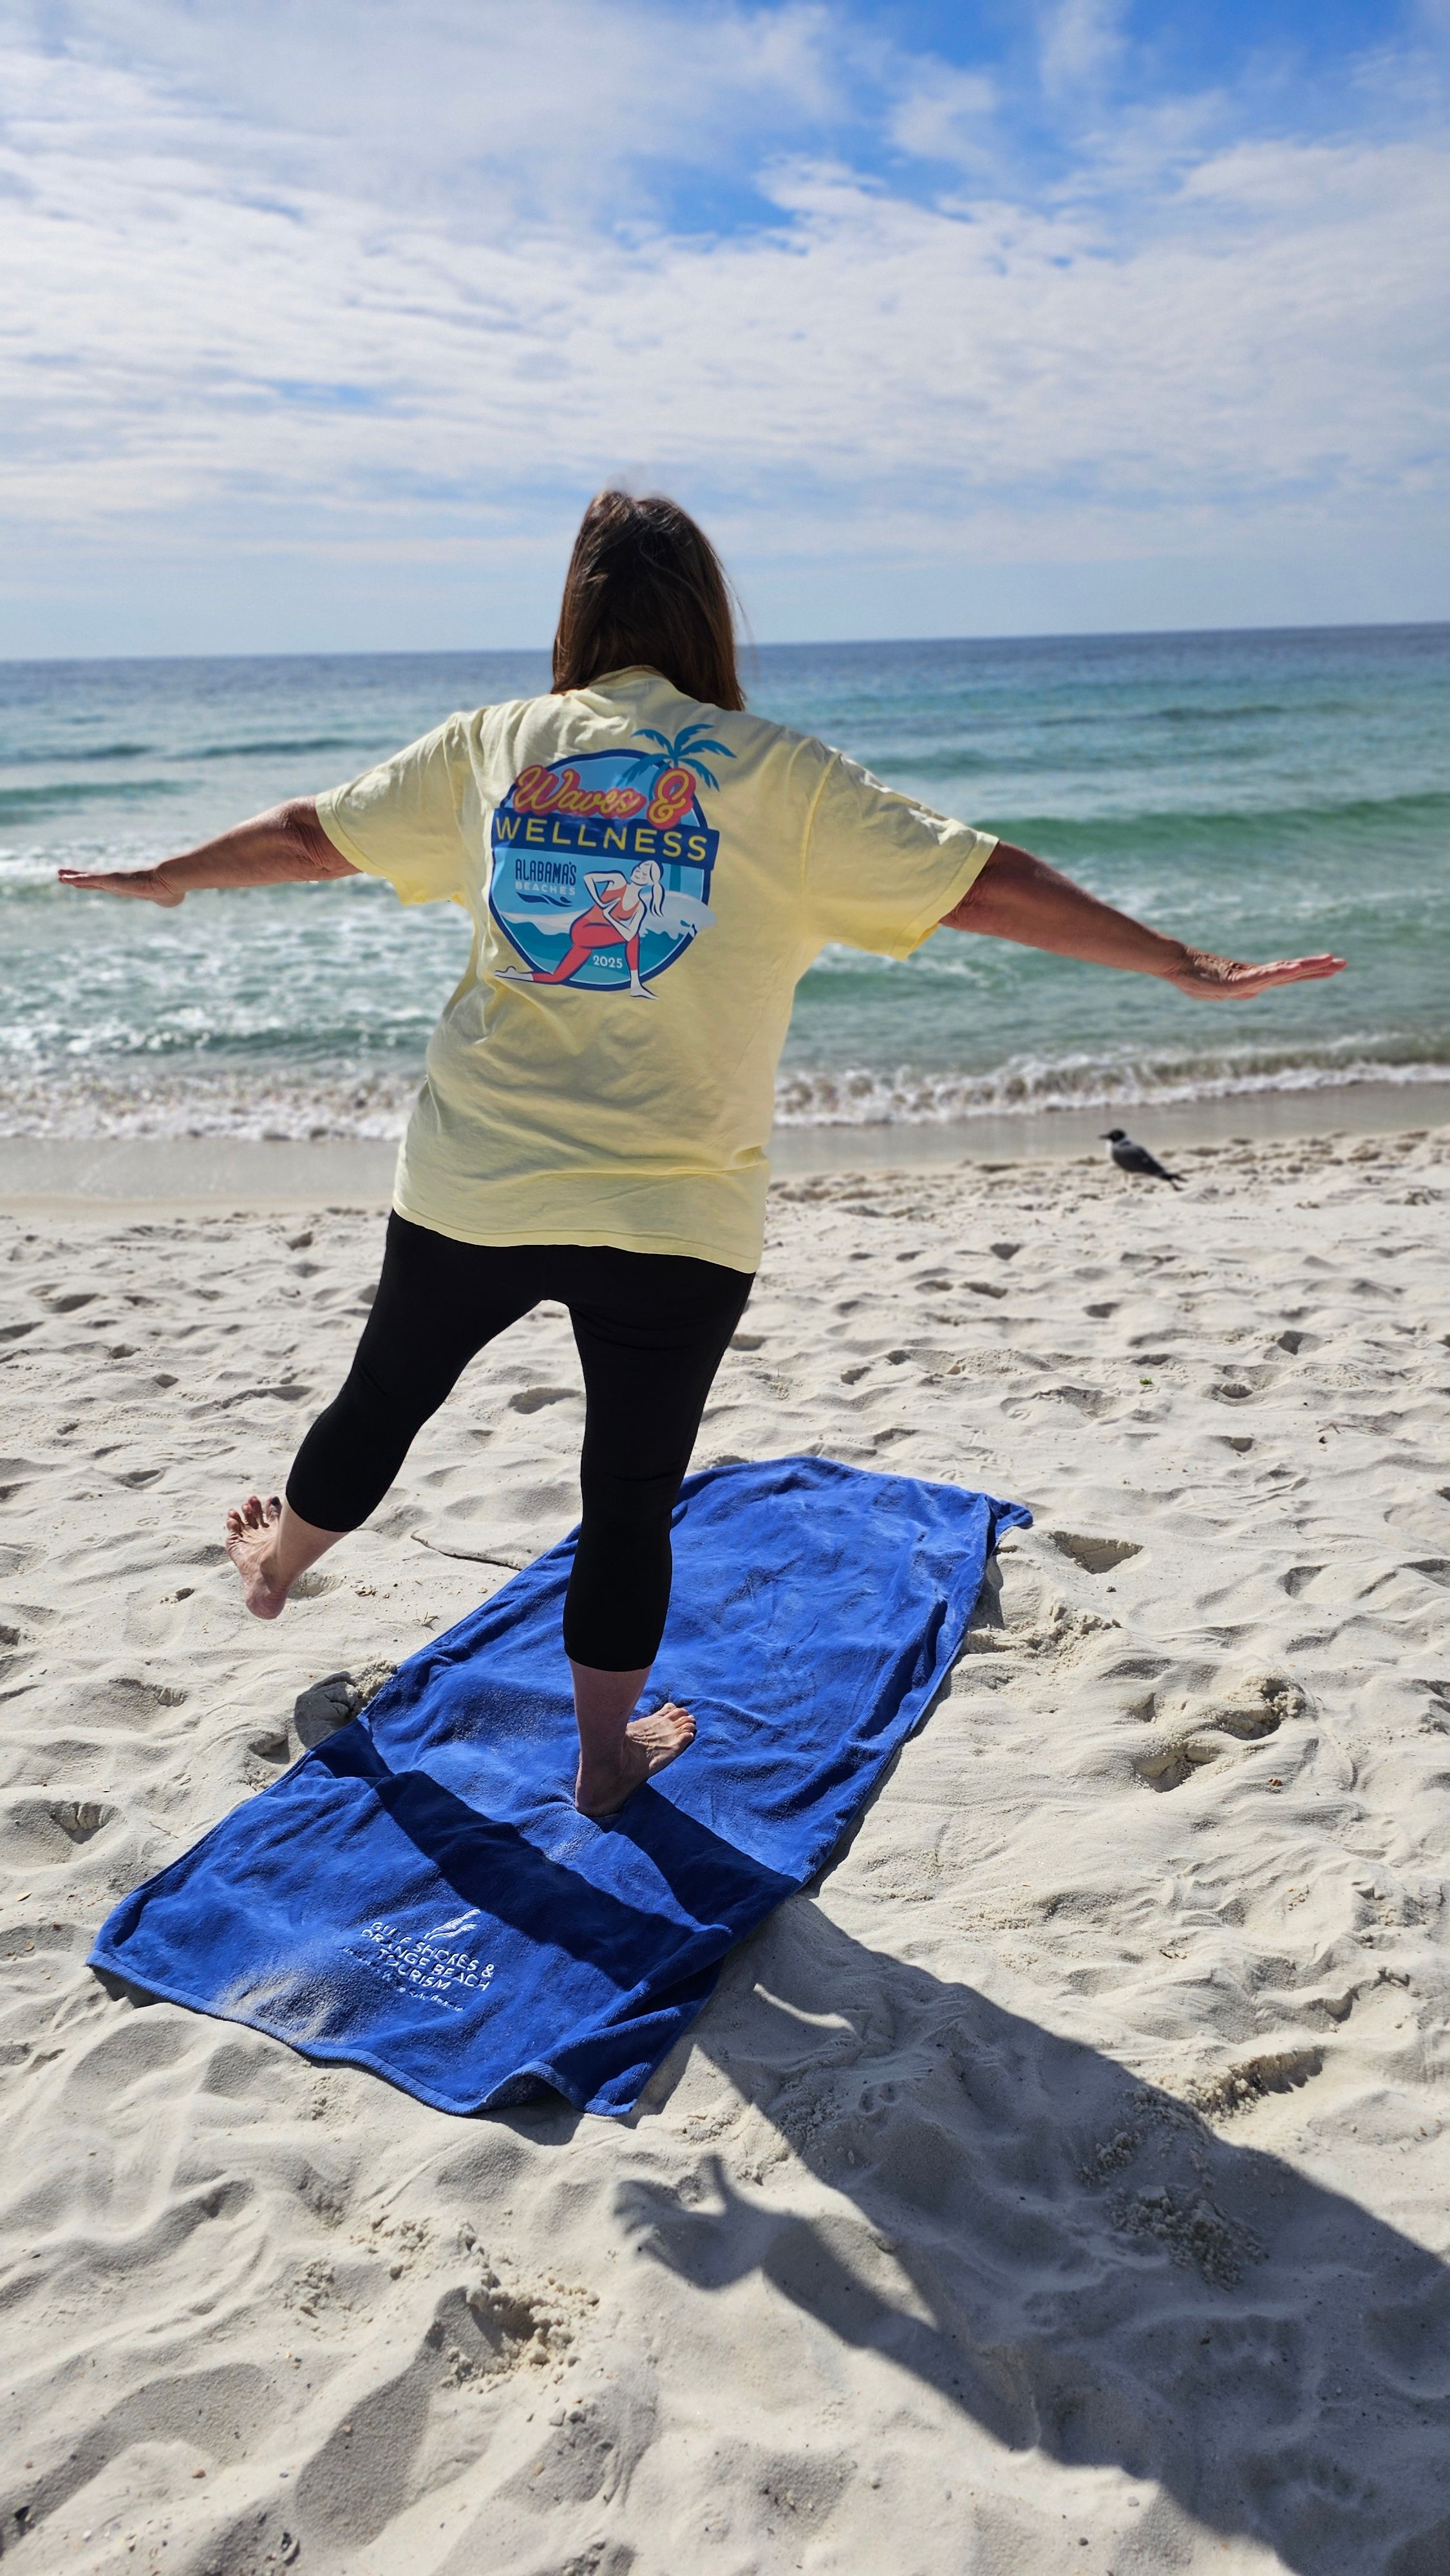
(1019, 897)
(287, 846)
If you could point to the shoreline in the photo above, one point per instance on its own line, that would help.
(106, 1173)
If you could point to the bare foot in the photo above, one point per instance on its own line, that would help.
(252, 1547)
(649, 1743)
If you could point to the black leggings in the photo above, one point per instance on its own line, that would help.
(651, 1330)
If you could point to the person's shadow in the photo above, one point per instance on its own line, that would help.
(1074, 2257)
(1070, 2255)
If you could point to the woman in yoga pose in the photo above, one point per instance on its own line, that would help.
(566, 1145)
(619, 909)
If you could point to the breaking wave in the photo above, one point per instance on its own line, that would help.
(297, 1105)
(1030, 1086)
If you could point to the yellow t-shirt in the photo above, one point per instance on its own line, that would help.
(648, 879)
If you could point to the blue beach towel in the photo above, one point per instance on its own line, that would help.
(418, 1894)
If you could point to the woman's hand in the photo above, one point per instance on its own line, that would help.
(287, 846)
(147, 883)
(1206, 978)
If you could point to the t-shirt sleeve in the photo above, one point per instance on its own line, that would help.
(882, 871)
(402, 820)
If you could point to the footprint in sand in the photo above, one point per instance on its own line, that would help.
(81, 1819)
(135, 1697)
(1238, 2088)
(1254, 1711)
(41, 1832)
(1094, 1555)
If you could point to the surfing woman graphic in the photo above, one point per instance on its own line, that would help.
(621, 909)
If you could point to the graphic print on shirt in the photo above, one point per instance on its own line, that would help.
(602, 863)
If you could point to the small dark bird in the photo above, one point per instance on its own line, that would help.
(1136, 1158)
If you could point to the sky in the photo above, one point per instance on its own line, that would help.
(321, 319)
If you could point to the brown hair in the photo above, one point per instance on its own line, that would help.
(644, 584)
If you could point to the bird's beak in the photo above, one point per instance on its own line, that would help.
(1105, 1140)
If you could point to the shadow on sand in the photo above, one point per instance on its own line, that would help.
(1071, 2256)
(1075, 2258)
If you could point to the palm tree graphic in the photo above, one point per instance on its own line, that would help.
(683, 753)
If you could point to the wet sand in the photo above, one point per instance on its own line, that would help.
(35, 1170)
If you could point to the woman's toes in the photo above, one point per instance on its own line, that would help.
(674, 1723)
(662, 1735)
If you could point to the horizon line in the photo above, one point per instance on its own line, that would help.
(795, 644)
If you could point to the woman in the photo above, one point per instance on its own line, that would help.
(619, 908)
(567, 1146)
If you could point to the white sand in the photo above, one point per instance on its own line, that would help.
(1061, 2185)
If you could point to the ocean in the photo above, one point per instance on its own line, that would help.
(1257, 793)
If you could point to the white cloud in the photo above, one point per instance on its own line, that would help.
(451, 108)
(322, 312)
(1079, 40)
(944, 115)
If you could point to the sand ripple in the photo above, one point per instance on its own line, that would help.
(1061, 2184)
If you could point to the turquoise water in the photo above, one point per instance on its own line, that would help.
(1255, 793)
